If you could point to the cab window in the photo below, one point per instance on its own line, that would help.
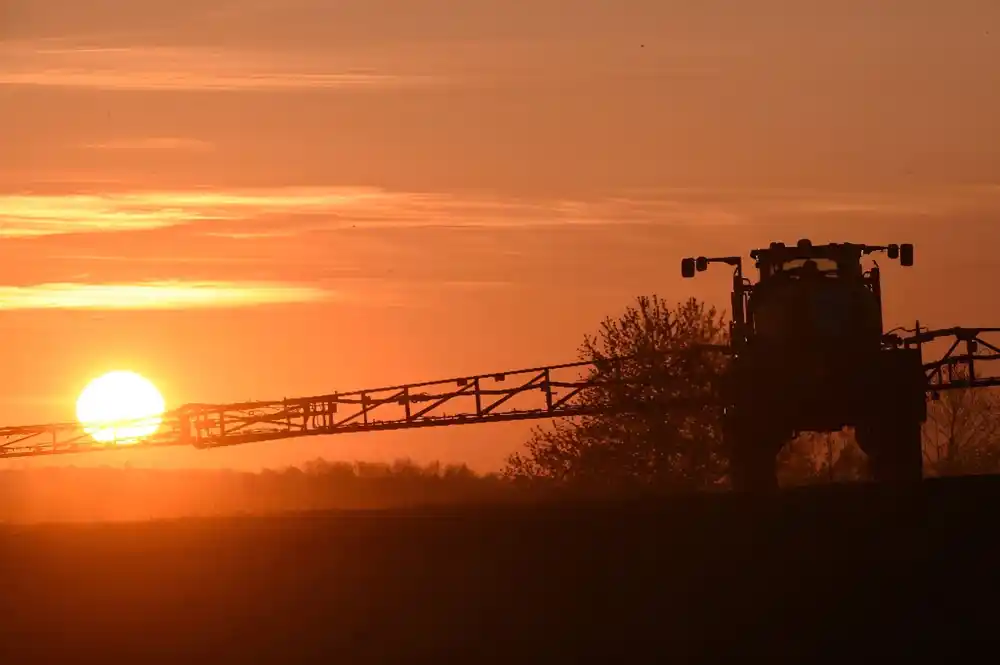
(823, 264)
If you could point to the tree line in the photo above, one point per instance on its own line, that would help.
(61, 494)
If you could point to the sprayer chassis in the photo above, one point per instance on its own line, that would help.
(777, 387)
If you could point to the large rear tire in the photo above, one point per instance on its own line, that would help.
(895, 451)
(753, 452)
(892, 433)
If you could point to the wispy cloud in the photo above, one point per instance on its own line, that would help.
(755, 204)
(186, 68)
(283, 212)
(27, 215)
(207, 294)
(153, 143)
(154, 295)
(30, 215)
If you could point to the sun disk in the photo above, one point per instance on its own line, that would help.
(120, 407)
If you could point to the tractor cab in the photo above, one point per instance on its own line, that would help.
(807, 295)
(813, 297)
(835, 260)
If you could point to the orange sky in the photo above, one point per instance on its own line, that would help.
(290, 197)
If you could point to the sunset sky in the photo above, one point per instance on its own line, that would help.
(252, 199)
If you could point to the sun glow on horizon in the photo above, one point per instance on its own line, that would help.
(121, 407)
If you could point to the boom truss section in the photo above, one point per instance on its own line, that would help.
(541, 392)
(961, 365)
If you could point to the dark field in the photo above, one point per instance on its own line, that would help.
(846, 568)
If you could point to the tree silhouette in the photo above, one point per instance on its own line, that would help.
(962, 432)
(659, 429)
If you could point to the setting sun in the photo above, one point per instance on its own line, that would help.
(120, 407)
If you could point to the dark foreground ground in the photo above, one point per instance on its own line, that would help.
(850, 571)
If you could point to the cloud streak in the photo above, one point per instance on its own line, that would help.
(188, 69)
(154, 295)
(28, 215)
(153, 143)
(283, 212)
